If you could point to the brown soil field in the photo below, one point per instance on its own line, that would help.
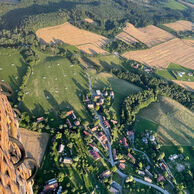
(176, 51)
(34, 143)
(72, 35)
(181, 25)
(175, 122)
(89, 20)
(187, 85)
(149, 35)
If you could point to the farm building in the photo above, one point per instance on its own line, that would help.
(105, 174)
(61, 148)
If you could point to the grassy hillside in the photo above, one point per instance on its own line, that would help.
(175, 122)
(172, 4)
(55, 84)
(12, 67)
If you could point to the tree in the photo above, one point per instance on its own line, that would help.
(114, 169)
(161, 156)
(60, 177)
(158, 146)
(58, 135)
(140, 165)
(181, 150)
(129, 179)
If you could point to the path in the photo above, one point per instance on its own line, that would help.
(143, 154)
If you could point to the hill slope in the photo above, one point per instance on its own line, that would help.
(175, 122)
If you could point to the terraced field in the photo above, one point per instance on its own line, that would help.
(149, 35)
(84, 40)
(175, 122)
(176, 51)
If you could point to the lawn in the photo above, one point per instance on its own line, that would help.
(175, 122)
(12, 67)
(171, 73)
(172, 4)
(55, 84)
(143, 124)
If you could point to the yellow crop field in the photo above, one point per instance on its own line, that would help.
(149, 35)
(181, 25)
(176, 51)
(72, 35)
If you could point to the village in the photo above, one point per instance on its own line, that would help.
(146, 166)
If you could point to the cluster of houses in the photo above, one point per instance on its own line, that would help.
(98, 98)
(52, 186)
(149, 136)
(71, 119)
(180, 74)
(102, 139)
(63, 159)
(175, 156)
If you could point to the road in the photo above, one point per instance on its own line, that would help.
(143, 154)
(107, 132)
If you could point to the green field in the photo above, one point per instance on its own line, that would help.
(12, 67)
(55, 84)
(172, 4)
(171, 73)
(175, 122)
(143, 124)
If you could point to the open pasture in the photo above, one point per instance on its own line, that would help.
(55, 85)
(35, 143)
(67, 33)
(149, 35)
(173, 51)
(175, 122)
(181, 25)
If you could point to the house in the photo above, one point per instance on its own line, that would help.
(129, 133)
(94, 154)
(106, 123)
(39, 119)
(142, 173)
(94, 129)
(190, 74)
(152, 138)
(67, 160)
(61, 148)
(160, 178)
(125, 142)
(180, 74)
(173, 157)
(86, 99)
(102, 139)
(114, 122)
(113, 190)
(76, 123)
(73, 116)
(69, 113)
(148, 179)
(147, 70)
(122, 161)
(145, 140)
(112, 94)
(122, 166)
(68, 123)
(131, 157)
(50, 187)
(97, 97)
(86, 133)
(105, 174)
(115, 154)
(51, 181)
(98, 92)
(90, 106)
(162, 166)
(105, 93)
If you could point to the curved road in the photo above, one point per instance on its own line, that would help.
(107, 132)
